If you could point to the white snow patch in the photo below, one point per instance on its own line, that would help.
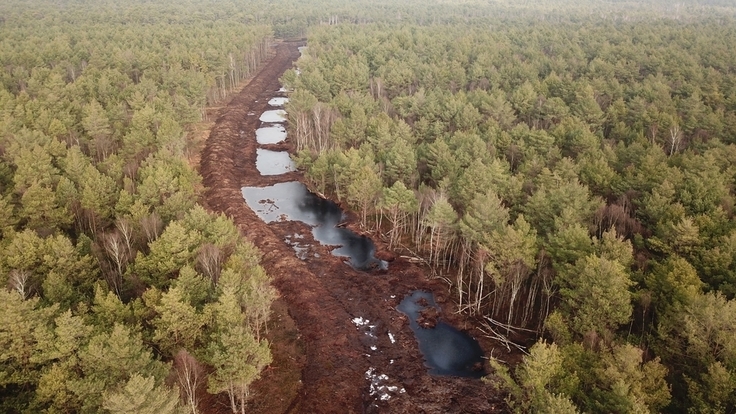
(360, 321)
(391, 337)
(301, 251)
(379, 386)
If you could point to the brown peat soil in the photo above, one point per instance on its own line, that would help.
(326, 359)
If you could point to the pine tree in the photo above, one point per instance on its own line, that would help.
(178, 325)
(141, 396)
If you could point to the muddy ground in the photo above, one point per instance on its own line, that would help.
(324, 362)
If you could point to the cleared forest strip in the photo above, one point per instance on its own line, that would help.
(226, 166)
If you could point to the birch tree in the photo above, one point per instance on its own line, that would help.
(237, 356)
(238, 359)
(512, 260)
(441, 220)
(189, 376)
(399, 203)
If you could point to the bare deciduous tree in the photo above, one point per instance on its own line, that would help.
(188, 376)
(19, 281)
(117, 251)
(322, 118)
(126, 232)
(209, 261)
(152, 226)
(675, 138)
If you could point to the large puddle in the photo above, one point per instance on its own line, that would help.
(292, 201)
(446, 350)
(273, 162)
(271, 134)
(273, 115)
(278, 101)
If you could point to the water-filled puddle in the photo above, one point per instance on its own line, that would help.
(446, 350)
(271, 134)
(273, 115)
(278, 101)
(292, 201)
(273, 162)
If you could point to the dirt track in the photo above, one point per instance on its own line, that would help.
(323, 361)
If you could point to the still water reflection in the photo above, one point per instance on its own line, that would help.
(273, 162)
(446, 350)
(271, 134)
(292, 201)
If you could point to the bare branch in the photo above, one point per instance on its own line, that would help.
(189, 377)
(209, 261)
(126, 231)
(117, 252)
(675, 138)
(152, 226)
(19, 280)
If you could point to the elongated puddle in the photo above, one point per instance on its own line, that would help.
(446, 350)
(292, 201)
(273, 162)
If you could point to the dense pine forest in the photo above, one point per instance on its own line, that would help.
(571, 178)
(567, 167)
(113, 270)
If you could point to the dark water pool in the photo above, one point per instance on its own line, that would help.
(446, 350)
(292, 201)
